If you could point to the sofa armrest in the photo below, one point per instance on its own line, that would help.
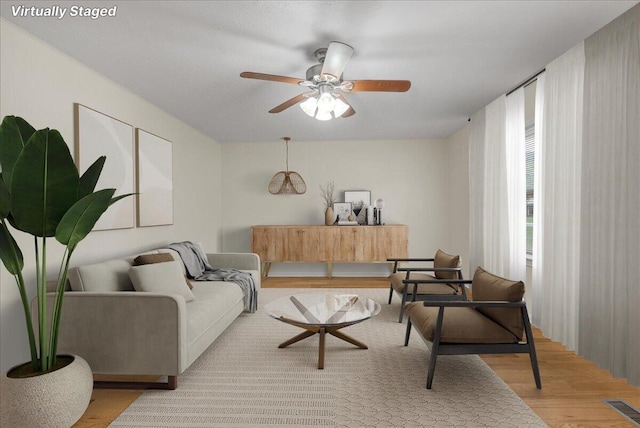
(122, 332)
(240, 261)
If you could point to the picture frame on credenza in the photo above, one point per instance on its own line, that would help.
(342, 210)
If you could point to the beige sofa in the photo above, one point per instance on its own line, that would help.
(120, 331)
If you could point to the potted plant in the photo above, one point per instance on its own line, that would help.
(42, 194)
(326, 192)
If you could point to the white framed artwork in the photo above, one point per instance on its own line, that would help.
(96, 135)
(155, 179)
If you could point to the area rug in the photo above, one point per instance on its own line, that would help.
(244, 380)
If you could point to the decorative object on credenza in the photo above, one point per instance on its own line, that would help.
(360, 201)
(287, 182)
(342, 210)
(43, 195)
(155, 179)
(98, 135)
(326, 192)
(377, 213)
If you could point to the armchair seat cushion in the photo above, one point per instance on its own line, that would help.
(438, 289)
(459, 325)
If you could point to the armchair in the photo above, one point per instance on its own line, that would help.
(493, 322)
(443, 282)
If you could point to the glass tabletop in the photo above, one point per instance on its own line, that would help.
(322, 309)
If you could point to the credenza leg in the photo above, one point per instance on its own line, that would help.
(330, 269)
(266, 266)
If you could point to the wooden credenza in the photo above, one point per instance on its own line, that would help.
(329, 244)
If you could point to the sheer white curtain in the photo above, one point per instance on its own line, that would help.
(537, 293)
(495, 208)
(610, 227)
(556, 262)
(516, 184)
(476, 191)
(497, 188)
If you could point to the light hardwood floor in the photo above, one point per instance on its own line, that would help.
(572, 387)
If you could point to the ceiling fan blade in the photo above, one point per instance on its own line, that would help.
(380, 85)
(350, 111)
(285, 105)
(335, 60)
(271, 77)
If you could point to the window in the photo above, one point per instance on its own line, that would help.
(529, 141)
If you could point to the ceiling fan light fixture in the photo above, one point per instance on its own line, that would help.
(310, 106)
(326, 100)
(324, 115)
(325, 83)
(326, 103)
(336, 58)
(340, 108)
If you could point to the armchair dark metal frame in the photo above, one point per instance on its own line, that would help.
(440, 348)
(420, 297)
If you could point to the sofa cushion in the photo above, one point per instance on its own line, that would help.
(459, 325)
(397, 284)
(160, 278)
(112, 275)
(148, 259)
(489, 287)
(175, 256)
(444, 260)
(213, 300)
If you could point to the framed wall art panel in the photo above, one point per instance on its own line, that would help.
(96, 135)
(155, 179)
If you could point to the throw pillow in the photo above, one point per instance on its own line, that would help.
(160, 278)
(147, 259)
(444, 260)
(489, 287)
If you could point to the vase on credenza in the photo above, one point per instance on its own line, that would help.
(329, 216)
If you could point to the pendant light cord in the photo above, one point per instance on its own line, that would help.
(286, 140)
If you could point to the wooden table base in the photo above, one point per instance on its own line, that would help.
(322, 331)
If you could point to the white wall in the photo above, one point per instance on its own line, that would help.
(411, 176)
(41, 84)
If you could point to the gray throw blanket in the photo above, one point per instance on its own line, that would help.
(199, 269)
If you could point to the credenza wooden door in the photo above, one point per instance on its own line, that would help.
(315, 244)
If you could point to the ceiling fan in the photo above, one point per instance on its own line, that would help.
(325, 100)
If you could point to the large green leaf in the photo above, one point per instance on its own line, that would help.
(9, 251)
(82, 216)
(44, 185)
(14, 134)
(117, 198)
(89, 179)
(5, 199)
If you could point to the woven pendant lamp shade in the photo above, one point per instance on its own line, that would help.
(287, 182)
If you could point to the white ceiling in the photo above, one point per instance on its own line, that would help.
(186, 57)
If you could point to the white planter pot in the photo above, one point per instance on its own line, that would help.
(55, 399)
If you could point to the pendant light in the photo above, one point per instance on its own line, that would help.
(287, 182)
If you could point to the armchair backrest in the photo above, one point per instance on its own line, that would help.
(489, 287)
(444, 260)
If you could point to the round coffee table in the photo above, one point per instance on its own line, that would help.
(322, 313)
